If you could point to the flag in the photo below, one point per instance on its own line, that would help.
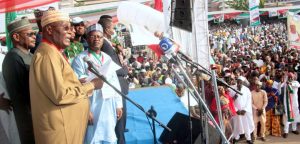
(8, 18)
(218, 18)
(156, 49)
(158, 5)
(282, 13)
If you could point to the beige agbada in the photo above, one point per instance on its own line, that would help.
(59, 102)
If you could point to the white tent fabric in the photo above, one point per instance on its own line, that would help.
(193, 44)
(200, 32)
(141, 36)
(132, 12)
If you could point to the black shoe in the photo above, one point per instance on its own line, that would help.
(295, 132)
(285, 135)
(263, 139)
(249, 142)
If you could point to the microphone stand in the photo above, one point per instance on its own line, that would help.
(201, 112)
(189, 104)
(205, 113)
(204, 70)
(200, 100)
(153, 113)
(149, 113)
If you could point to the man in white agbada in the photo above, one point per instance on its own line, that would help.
(106, 103)
(243, 122)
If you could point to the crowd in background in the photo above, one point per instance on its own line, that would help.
(259, 57)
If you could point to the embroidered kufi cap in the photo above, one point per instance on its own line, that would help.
(54, 16)
(94, 27)
(18, 25)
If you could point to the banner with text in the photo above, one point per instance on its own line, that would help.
(254, 12)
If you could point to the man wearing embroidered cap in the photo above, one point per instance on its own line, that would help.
(16, 72)
(243, 121)
(59, 101)
(106, 104)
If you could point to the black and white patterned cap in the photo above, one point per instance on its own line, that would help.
(94, 27)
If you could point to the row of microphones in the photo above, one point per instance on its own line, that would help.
(170, 51)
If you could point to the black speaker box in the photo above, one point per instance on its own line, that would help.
(182, 4)
(181, 14)
(180, 133)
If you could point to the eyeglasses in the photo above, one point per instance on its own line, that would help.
(64, 27)
(30, 34)
(96, 36)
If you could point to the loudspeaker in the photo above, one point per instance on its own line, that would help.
(180, 133)
(181, 14)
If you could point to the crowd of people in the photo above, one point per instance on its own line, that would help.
(49, 82)
(258, 62)
(261, 58)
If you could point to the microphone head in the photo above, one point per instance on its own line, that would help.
(86, 59)
(166, 45)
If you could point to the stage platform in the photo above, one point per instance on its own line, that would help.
(165, 102)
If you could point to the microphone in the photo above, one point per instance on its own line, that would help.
(167, 46)
(91, 65)
(169, 49)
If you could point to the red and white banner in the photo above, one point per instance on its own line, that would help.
(282, 13)
(17, 5)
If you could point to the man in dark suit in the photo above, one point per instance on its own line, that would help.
(110, 48)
